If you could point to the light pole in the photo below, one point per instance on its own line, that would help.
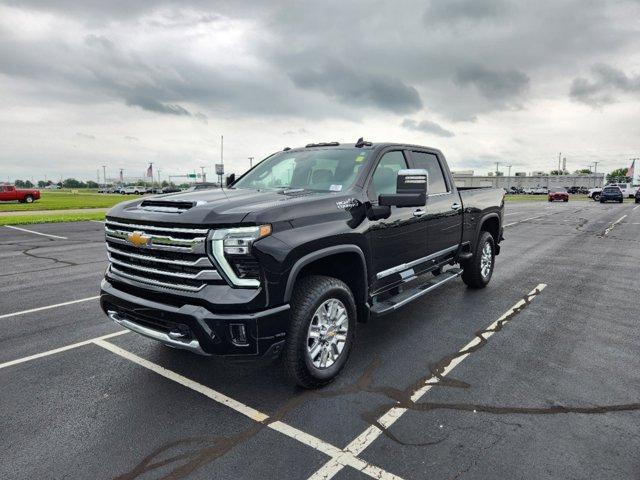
(104, 174)
(204, 175)
(250, 162)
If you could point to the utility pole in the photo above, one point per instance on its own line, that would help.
(559, 155)
(595, 167)
(204, 175)
(122, 175)
(98, 176)
(250, 162)
(104, 174)
(158, 178)
(509, 177)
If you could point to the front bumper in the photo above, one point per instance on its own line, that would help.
(195, 328)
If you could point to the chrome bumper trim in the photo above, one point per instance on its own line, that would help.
(167, 339)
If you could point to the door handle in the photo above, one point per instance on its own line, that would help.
(420, 212)
(456, 206)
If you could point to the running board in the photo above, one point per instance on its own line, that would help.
(411, 294)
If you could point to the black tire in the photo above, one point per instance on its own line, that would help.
(566, 200)
(309, 295)
(596, 197)
(28, 199)
(602, 200)
(472, 275)
(621, 201)
(637, 200)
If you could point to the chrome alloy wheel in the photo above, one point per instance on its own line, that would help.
(486, 260)
(327, 335)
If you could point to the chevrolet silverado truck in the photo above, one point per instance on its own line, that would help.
(290, 257)
(9, 193)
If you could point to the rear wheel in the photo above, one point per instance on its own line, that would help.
(28, 199)
(596, 197)
(479, 269)
(566, 200)
(321, 331)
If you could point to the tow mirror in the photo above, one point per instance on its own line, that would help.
(411, 189)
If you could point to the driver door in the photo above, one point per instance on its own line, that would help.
(399, 239)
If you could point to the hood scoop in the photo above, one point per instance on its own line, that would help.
(167, 206)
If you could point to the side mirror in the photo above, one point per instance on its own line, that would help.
(411, 189)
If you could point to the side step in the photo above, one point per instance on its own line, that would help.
(397, 301)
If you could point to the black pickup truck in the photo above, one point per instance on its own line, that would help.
(285, 261)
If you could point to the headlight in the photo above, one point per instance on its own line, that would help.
(233, 246)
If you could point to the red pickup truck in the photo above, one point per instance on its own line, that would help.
(10, 193)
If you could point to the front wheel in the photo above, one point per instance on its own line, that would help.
(596, 197)
(478, 270)
(321, 331)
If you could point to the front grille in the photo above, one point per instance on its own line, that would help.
(163, 257)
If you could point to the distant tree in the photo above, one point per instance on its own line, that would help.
(165, 183)
(618, 175)
(73, 183)
(92, 184)
(556, 172)
(19, 183)
(583, 170)
(42, 184)
(28, 184)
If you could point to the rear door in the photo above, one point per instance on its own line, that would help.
(444, 209)
(398, 241)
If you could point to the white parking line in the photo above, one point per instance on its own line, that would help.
(61, 349)
(612, 226)
(636, 207)
(39, 309)
(525, 219)
(366, 438)
(36, 233)
(337, 455)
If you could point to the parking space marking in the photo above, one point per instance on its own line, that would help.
(366, 438)
(61, 349)
(612, 226)
(39, 309)
(337, 455)
(525, 219)
(36, 233)
(636, 207)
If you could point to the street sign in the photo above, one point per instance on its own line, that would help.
(191, 176)
(219, 169)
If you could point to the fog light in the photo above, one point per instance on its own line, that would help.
(238, 334)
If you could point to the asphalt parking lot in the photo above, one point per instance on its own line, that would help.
(536, 376)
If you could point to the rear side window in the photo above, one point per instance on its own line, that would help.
(430, 163)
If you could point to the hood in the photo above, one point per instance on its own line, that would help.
(230, 206)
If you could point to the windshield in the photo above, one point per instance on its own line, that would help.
(325, 170)
(612, 190)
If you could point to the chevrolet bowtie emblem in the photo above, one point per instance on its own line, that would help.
(138, 239)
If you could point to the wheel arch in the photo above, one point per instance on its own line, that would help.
(345, 262)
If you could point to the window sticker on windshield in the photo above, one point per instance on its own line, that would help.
(360, 158)
(335, 188)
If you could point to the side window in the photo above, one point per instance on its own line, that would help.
(384, 179)
(430, 163)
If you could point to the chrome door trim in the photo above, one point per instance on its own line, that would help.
(406, 266)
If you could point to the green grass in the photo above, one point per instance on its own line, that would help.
(51, 218)
(63, 200)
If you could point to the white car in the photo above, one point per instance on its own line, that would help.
(135, 190)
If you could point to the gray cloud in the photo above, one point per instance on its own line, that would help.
(492, 84)
(355, 87)
(606, 82)
(426, 126)
(453, 11)
(86, 135)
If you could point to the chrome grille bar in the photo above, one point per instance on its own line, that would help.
(157, 283)
(195, 231)
(201, 275)
(200, 262)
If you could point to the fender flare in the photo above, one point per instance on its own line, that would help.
(484, 219)
(318, 254)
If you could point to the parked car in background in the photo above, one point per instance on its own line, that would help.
(539, 190)
(558, 194)
(611, 194)
(627, 189)
(9, 193)
(171, 189)
(637, 196)
(135, 190)
(53, 186)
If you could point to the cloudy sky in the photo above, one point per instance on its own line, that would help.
(124, 83)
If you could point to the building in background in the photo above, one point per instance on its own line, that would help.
(465, 178)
